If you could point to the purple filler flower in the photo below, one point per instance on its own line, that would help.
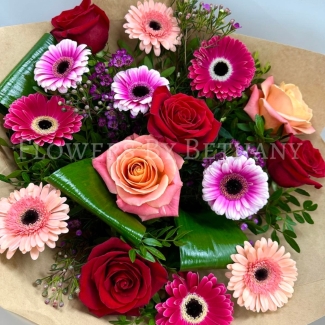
(120, 59)
(206, 7)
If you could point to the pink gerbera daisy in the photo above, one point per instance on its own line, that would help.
(35, 118)
(30, 218)
(134, 87)
(154, 25)
(262, 277)
(235, 186)
(222, 67)
(192, 301)
(62, 66)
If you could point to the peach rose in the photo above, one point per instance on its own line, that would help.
(280, 105)
(144, 173)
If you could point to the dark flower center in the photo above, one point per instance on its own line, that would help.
(194, 308)
(45, 124)
(63, 67)
(233, 186)
(140, 91)
(261, 274)
(155, 25)
(221, 69)
(29, 217)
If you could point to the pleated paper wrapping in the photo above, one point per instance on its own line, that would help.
(291, 65)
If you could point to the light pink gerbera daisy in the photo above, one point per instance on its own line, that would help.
(134, 87)
(235, 186)
(262, 277)
(62, 66)
(154, 25)
(35, 118)
(223, 67)
(30, 218)
(193, 301)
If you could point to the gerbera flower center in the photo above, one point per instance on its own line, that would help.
(29, 217)
(220, 69)
(261, 274)
(62, 67)
(140, 91)
(44, 125)
(233, 186)
(154, 25)
(194, 309)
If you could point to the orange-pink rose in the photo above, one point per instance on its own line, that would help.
(144, 173)
(280, 105)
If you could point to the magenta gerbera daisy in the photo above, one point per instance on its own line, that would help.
(134, 87)
(30, 218)
(193, 301)
(262, 276)
(154, 25)
(62, 66)
(35, 118)
(236, 187)
(223, 67)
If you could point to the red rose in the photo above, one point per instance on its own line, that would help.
(292, 164)
(182, 121)
(85, 24)
(111, 284)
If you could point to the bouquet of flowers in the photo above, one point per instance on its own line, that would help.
(141, 165)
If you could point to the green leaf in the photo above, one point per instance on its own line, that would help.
(291, 242)
(302, 192)
(4, 178)
(156, 253)
(308, 218)
(132, 255)
(307, 204)
(166, 73)
(244, 127)
(259, 121)
(171, 233)
(210, 243)
(274, 236)
(293, 200)
(15, 174)
(148, 62)
(223, 133)
(298, 217)
(156, 298)
(91, 192)
(20, 81)
(290, 233)
(30, 149)
(152, 242)
(3, 143)
(25, 177)
(284, 206)
(276, 195)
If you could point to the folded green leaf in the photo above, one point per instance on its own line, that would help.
(81, 182)
(211, 241)
(20, 81)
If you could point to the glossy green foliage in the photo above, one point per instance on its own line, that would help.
(211, 241)
(20, 81)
